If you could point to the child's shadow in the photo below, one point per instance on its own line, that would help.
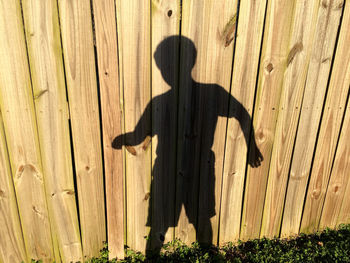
(184, 159)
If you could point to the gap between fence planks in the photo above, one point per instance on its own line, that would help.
(339, 181)
(111, 113)
(315, 89)
(134, 40)
(332, 118)
(45, 57)
(17, 108)
(11, 242)
(245, 70)
(122, 107)
(165, 22)
(299, 47)
(78, 50)
(272, 69)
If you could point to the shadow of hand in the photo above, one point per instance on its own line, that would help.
(118, 142)
(255, 157)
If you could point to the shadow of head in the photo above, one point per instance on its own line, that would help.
(167, 57)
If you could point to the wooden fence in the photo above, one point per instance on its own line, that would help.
(138, 122)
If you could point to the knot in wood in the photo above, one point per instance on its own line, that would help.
(316, 193)
(269, 68)
(336, 188)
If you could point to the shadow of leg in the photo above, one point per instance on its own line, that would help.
(205, 234)
(152, 249)
(206, 204)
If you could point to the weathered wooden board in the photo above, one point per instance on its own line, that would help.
(338, 188)
(337, 205)
(245, 70)
(78, 50)
(274, 61)
(317, 78)
(11, 242)
(344, 215)
(46, 65)
(16, 102)
(339, 181)
(300, 44)
(111, 107)
(134, 41)
(332, 118)
(165, 66)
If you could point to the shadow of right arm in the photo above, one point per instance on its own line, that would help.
(141, 133)
(237, 110)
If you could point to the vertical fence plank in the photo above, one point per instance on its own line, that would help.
(18, 114)
(328, 135)
(11, 242)
(165, 64)
(344, 215)
(45, 57)
(339, 181)
(337, 205)
(107, 55)
(337, 193)
(77, 40)
(134, 49)
(317, 76)
(300, 44)
(249, 35)
(205, 99)
(272, 69)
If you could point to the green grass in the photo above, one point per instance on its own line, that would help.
(327, 246)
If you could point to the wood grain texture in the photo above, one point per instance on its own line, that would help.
(205, 96)
(18, 114)
(165, 66)
(107, 57)
(317, 78)
(344, 215)
(339, 181)
(300, 44)
(11, 242)
(272, 69)
(338, 188)
(337, 204)
(78, 50)
(45, 57)
(134, 49)
(251, 16)
(338, 91)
